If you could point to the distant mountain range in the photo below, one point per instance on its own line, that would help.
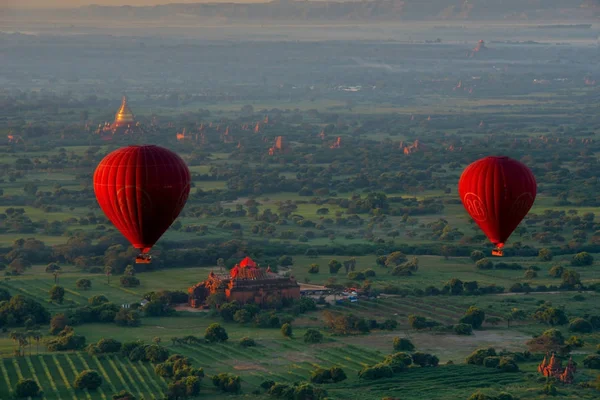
(366, 10)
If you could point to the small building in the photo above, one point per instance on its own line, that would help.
(245, 283)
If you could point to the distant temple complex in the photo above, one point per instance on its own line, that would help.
(281, 146)
(554, 369)
(245, 283)
(124, 123)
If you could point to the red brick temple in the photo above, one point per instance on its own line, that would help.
(553, 368)
(245, 283)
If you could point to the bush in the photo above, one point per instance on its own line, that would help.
(580, 325)
(313, 336)
(474, 317)
(484, 263)
(556, 271)
(247, 342)
(403, 344)
(286, 330)
(320, 375)
(227, 383)
(216, 333)
(389, 325)
(478, 356)
(592, 361)
(26, 388)
(425, 359)
(463, 329)
(129, 281)
(491, 362)
(530, 274)
(398, 361)
(582, 259)
(88, 379)
(477, 255)
(545, 255)
(83, 283)
(377, 371)
(313, 269)
(337, 374)
(57, 294)
(508, 365)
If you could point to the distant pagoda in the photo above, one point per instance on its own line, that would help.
(124, 123)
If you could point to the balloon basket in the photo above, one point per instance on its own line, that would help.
(143, 259)
(497, 253)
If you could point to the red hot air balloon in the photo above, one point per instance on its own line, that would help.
(497, 192)
(142, 190)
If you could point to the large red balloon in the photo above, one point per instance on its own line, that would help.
(142, 190)
(497, 192)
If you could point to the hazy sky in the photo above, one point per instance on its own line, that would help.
(77, 3)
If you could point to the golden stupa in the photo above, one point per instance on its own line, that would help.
(124, 116)
(124, 123)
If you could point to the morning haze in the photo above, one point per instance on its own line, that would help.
(374, 200)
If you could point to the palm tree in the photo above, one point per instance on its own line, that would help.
(56, 273)
(108, 272)
(37, 336)
(15, 336)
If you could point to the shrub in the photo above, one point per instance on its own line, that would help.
(556, 271)
(463, 329)
(474, 317)
(227, 382)
(313, 336)
(247, 342)
(129, 281)
(477, 255)
(580, 325)
(83, 283)
(389, 324)
(398, 361)
(477, 357)
(425, 359)
(582, 259)
(592, 361)
(575, 341)
(491, 362)
(88, 379)
(320, 375)
(216, 333)
(530, 274)
(377, 371)
(484, 263)
(403, 344)
(313, 269)
(337, 374)
(57, 294)
(26, 388)
(508, 365)
(286, 330)
(545, 255)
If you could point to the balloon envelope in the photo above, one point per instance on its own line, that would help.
(497, 192)
(142, 190)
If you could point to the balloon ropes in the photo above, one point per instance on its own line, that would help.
(497, 192)
(142, 190)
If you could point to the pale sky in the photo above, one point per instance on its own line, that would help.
(78, 3)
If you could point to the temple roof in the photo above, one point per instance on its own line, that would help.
(247, 262)
(124, 116)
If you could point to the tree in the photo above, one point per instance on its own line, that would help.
(97, 300)
(285, 261)
(582, 259)
(478, 356)
(83, 283)
(337, 374)
(394, 259)
(403, 344)
(592, 361)
(50, 268)
(215, 333)
(545, 255)
(26, 388)
(313, 269)
(334, 266)
(286, 330)
(58, 323)
(129, 281)
(108, 272)
(580, 325)
(88, 379)
(313, 336)
(571, 278)
(57, 294)
(530, 274)
(129, 270)
(477, 255)
(556, 271)
(484, 263)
